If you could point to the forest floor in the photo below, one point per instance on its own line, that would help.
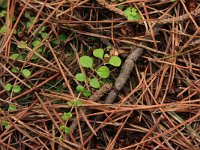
(100, 74)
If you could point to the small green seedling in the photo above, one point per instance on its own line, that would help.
(64, 129)
(77, 102)
(132, 14)
(5, 124)
(66, 116)
(80, 88)
(15, 70)
(15, 88)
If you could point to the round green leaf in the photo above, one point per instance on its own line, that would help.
(98, 53)
(70, 103)
(80, 77)
(94, 83)
(26, 73)
(8, 87)
(79, 88)
(115, 61)
(63, 37)
(86, 93)
(67, 130)
(12, 107)
(62, 128)
(36, 43)
(15, 70)
(78, 103)
(16, 88)
(86, 61)
(16, 56)
(103, 72)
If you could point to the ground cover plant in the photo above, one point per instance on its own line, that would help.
(99, 74)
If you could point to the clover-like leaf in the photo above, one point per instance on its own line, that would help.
(94, 82)
(79, 88)
(26, 73)
(103, 72)
(132, 14)
(86, 61)
(8, 87)
(65, 116)
(80, 77)
(12, 107)
(98, 53)
(115, 61)
(16, 88)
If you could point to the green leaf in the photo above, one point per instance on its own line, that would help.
(16, 88)
(40, 50)
(80, 77)
(120, 6)
(3, 29)
(78, 103)
(44, 35)
(15, 70)
(27, 15)
(26, 73)
(94, 83)
(3, 13)
(132, 14)
(62, 37)
(16, 56)
(12, 107)
(65, 116)
(55, 42)
(103, 72)
(34, 57)
(22, 44)
(62, 128)
(67, 130)
(6, 124)
(86, 93)
(115, 61)
(36, 43)
(70, 103)
(98, 53)
(28, 24)
(86, 61)
(8, 87)
(42, 29)
(79, 88)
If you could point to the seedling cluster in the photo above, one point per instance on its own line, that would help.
(99, 72)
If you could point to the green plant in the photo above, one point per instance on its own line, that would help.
(103, 71)
(64, 129)
(12, 107)
(5, 124)
(15, 88)
(132, 14)
(77, 102)
(26, 73)
(66, 115)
